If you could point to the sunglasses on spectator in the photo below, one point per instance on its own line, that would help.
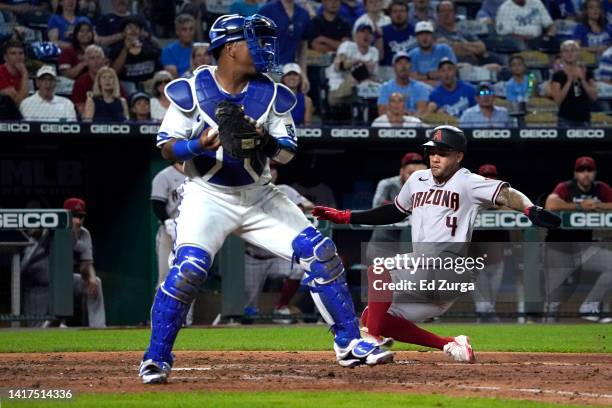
(486, 92)
(583, 169)
(78, 215)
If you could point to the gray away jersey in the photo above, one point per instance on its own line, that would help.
(165, 187)
(446, 212)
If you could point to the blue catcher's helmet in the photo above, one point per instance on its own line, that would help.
(258, 31)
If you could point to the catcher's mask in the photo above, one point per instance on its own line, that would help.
(258, 31)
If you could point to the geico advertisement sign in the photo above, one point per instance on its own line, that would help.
(14, 127)
(591, 220)
(110, 129)
(351, 132)
(494, 219)
(309, 132)
(586, 133)
(491, 134)
(538, 133)
(149, 129)
(397, 133)
(29, 220)
(73, 128)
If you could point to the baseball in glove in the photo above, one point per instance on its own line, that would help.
(543, 218)
(238, 136)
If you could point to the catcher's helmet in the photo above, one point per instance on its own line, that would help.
(447, 136)
(258, 31)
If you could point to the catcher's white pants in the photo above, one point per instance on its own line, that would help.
(262, 216)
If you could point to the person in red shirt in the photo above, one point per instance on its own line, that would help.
(94, 60)
(13, 73)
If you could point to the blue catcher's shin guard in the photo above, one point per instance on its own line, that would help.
(327, 283)
(173, 299)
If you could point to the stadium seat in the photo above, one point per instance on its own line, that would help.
(503, 44)
(535, 59)
(601, 119)
(541, 119)
(440, 118)
(588, 57)
(539, 104)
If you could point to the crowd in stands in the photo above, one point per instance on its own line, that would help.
(495, 63)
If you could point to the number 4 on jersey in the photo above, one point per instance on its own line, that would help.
(451, 222)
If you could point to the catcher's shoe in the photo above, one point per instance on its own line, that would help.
(154, 372)
(380, 341)
(361, 351)
(460, 350)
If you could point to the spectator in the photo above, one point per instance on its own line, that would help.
(517, 88)
(426, 57)
(13, 73)
(573, 88)
(159, 102)
(604, 69)
(488, 11)
(293, 24)
(524, 19)
(485, 114)
(94, 60)
(355, 61)
(90, 9)
(175, 56)
(453, 95)
(607, 5)
(108, 27)
(26, 11)
(44, 105)
(395, 115)
(245, 7)
(35, 269)
(560, 9)
(415, 93)
(71, 61)
(467, 47)
(303, 110)
(199, 57)
(351, 10)
(593, 32)
(140, 107)
(197, 9)
(373, 16)
(105, 103)
(422, 10)
(62, 23)
(328, 29)
(137, 58)
(397, 36)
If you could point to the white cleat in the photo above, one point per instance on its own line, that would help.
(153, 372)
(386, 342)
(460, 350)
(361, 351)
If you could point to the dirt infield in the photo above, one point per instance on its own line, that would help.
(566, 378)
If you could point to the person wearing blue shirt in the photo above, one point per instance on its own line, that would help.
(397, 36)
(293, 24)
(485, 114)
(62, 23)
(453, 95)
(176, 55)
(245, 8)
(593, 32)
(517, 88)
(426, 57)
(351, 10)
(416, 93)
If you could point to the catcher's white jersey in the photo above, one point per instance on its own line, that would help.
(165, 187)
(446, 212)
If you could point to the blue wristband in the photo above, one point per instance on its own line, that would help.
(187, 149)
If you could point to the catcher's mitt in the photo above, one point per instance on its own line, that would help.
(238, 136)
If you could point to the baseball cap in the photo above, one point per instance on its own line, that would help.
(292, 67)
(364, 26)
(46, 70)
(76, 205)
(488, 170)
(445, 60)
(411, 157)
(399, 55)
(424, 27)
(585, 162)
(136, 96)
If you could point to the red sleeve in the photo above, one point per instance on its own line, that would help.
(4, 80)
(79, 93)
(68, 58)
(604, 192)
(562, 191)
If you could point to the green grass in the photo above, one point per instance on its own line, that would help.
(578, 338)
(281, 399)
